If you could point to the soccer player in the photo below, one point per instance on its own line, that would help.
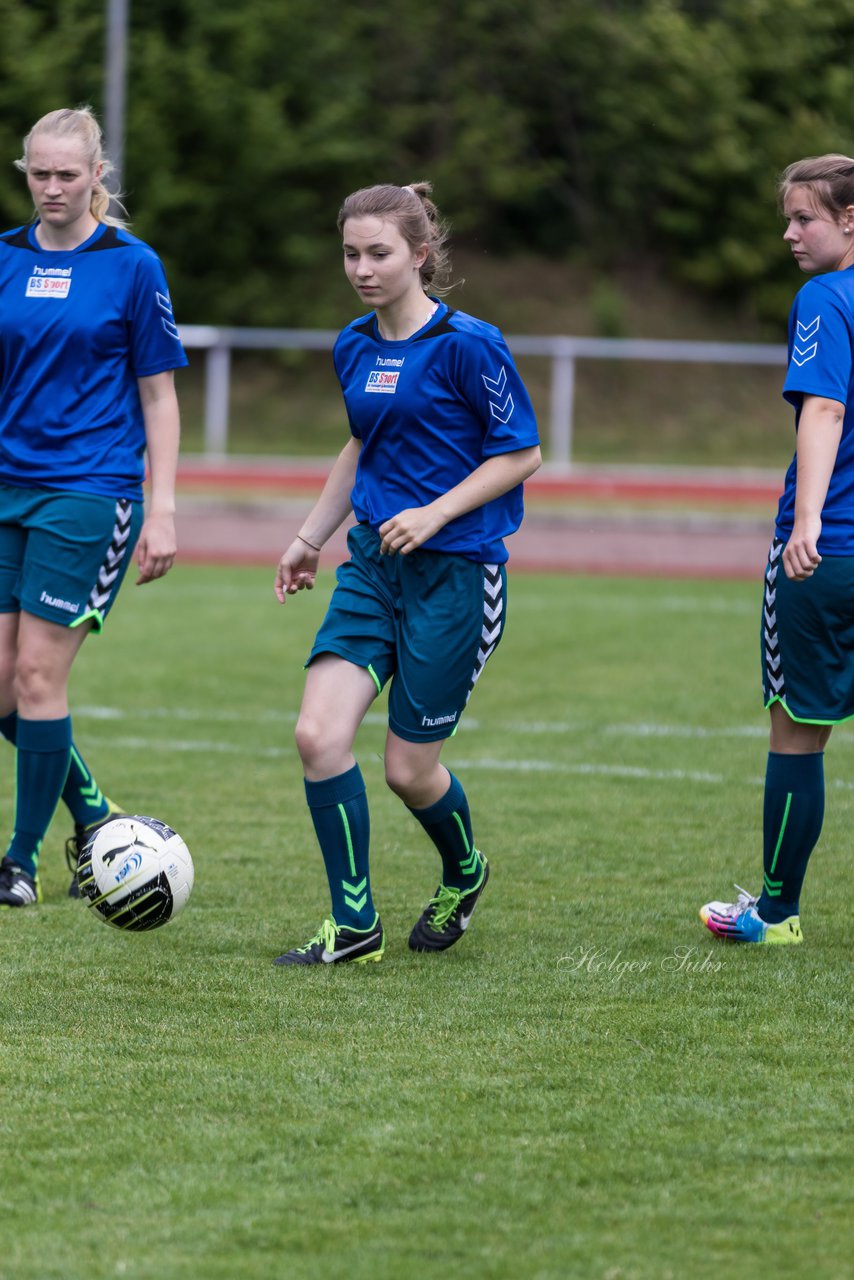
(442, 436)
(808, 611)
(88, 346)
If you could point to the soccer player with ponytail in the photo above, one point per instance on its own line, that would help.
(88, 349)
(442, 436)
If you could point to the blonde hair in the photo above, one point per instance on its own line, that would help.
(79, 124)
(829, 180)
(416, 218)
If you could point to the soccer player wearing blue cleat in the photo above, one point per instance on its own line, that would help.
(442, 437)
(88, 349)
(808, 609)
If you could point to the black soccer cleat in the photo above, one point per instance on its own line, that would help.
(17, 889)
(334, 945)
(75, 845)
(447, 916)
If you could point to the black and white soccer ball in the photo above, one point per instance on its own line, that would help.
(135, 873)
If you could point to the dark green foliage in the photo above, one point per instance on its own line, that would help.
(604, 131)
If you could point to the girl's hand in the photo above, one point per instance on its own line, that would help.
(800, 555)
(409, 529)
(297, 570)
(157, 547)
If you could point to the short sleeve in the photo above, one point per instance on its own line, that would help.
(155, 344)
(820, 359)
(497, 395)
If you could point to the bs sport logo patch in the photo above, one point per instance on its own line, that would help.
(49, 283)
(383, 381)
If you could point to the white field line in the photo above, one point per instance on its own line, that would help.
(588, 770)
(484, 763)
(534, 728)
(521, 765)
(201, 746)
(220, 746)
(205, 747)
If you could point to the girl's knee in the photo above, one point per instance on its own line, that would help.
(399, 778)
(324, 752)
(33, 681)
(412, 775)
(309, 737)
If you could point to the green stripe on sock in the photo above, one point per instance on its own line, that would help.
(782, 829)
(462, 828)
(348, 838)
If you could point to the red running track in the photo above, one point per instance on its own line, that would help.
(247, 513)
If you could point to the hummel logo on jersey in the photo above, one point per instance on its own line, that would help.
(500, 405)
(167, 319)
(383, 381)
(801, 354)
(49, 282)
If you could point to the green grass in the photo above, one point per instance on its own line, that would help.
(588, 1086)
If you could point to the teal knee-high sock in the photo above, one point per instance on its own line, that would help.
(81, 794)
(339, 811)
(43, 752)
(448, 824)
(84, 798)
(792, 822)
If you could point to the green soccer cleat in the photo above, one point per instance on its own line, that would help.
(335, 945)
(447, 915)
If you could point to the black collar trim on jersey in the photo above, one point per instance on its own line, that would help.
(20, 239)
(109, 240)
(368, 327)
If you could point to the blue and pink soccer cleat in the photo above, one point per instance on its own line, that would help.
(739, 921)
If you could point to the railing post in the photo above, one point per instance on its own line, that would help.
(217, 395)
(562, 403)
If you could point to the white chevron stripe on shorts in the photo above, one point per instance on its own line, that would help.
(493, 619)
(770, 640)
(109, 570)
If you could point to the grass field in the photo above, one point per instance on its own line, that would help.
(589, 1086)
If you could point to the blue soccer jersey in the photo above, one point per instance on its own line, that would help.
(77, 328)
(427, 412)
(821, 363)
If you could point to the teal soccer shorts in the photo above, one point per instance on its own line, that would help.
(808, 639)
(63, 555)
(427, 621)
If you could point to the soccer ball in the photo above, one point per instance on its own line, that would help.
(135, 873)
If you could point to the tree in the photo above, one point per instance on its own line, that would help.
(613, 131)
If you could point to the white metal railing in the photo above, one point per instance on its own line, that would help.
(563, 352)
